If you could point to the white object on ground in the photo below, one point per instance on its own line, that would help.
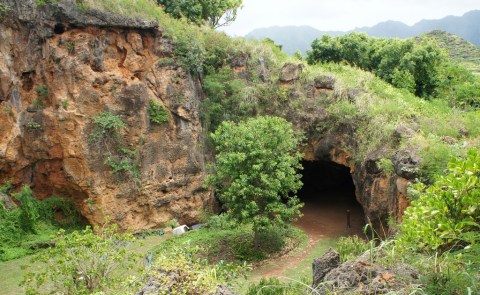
(178, 231)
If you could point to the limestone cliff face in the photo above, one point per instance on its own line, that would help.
(60, 68)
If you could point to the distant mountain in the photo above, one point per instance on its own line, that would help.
(300, 38)
(292, 38)
(461, 51)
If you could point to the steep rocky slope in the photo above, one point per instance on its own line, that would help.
(58, 69)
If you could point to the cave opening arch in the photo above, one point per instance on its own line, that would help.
(331, 208)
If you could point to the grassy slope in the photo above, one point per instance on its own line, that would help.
(463, 52)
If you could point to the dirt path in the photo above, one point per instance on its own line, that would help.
(324, 216)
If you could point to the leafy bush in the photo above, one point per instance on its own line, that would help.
(216, 12)
(446, 215)
(124, 161)
(42, 91)
(256, 171)
(82, 263)
(158, 113)
(106, 135)
(4, 9)
(221, 222)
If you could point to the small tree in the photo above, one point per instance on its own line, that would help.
(216, 12)
(256, 174)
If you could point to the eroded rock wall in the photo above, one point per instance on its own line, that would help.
(60, 68)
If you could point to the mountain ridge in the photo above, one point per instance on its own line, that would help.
(294, 38)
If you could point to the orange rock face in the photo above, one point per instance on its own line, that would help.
(54, 79)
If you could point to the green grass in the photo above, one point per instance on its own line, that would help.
(235, 244)
(304, 268)
(11, 272)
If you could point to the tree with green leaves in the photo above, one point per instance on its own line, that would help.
(256, 171)
(216, 13)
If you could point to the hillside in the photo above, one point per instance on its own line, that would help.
(466, 27)
(142, 121)
(461, 51)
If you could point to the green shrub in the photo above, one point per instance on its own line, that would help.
(256, 171)
(124, 160)
(445, 215)
(158, 113)
(82, 263)
(6, 187)
(32, 222)
(386, 165)
(42, 91)
(4, 9)
(106, 126)
(221, 222)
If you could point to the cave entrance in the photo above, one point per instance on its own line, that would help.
(328, 192)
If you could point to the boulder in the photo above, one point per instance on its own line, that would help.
(7, 202)
(406, 164)
(322, 265)
(325, 82)
(364, 276)
(290, 72)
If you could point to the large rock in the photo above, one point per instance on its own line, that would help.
(364, 276)
(406, 164)
(323, 265)
(325, 82)
(290, 72)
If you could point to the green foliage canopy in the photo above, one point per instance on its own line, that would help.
(256, 171)
(216, 12)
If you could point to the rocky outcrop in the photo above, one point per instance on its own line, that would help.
(290, 72)
(323, 265)
(363, 276)
(59, 68)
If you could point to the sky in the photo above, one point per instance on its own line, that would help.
(341, 15)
